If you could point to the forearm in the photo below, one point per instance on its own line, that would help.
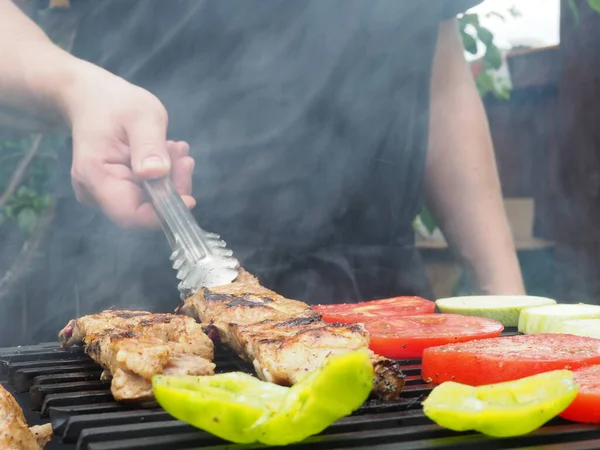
(462, 183)
(33, 72)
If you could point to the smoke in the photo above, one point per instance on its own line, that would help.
(308, 122)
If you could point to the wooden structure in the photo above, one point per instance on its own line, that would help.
(547, 141)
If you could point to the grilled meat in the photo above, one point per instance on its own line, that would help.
(77, 329)
(132, 346)
(284, 339)
(283, 351)
(14, 432)
(43, 434)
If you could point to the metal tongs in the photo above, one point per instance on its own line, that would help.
(200, 258)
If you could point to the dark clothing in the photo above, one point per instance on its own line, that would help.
(308, 120)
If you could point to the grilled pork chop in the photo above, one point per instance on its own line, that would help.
(284, 339)
(14, 432)
(132, 346)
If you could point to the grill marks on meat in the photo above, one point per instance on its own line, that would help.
(132, 346)
(14, 432)
(77, 329)
(284, 339)
(282, 352)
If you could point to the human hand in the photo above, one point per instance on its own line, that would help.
(119, 140)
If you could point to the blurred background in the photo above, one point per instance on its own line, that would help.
(537, 67)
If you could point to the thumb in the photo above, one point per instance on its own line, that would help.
(148, 146)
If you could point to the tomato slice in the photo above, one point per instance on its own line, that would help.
(375, 310)
(407, 337)
(508, 358)
(586, 406)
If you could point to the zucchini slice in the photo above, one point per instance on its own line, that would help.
(546, 319)
(580, 327)
(503, 308)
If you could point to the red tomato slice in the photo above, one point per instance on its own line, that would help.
(375, 310)
(508, 358)
(407, 337)
(586, 406)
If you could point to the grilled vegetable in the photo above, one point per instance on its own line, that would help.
(503, 308)
(507, 358)
(580, 327)
(546, 319)
(242, 409)
(511, 408)
(407, 337)
(375, 310)
(586, 406)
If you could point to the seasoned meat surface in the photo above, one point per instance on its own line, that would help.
(43, 434)
(14, 432)
(77, 329)
(284, 339)
(132, 346)
(243, 302)
(284, 351)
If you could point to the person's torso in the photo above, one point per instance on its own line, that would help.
(307, 119)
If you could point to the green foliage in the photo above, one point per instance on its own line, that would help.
(25, 207)
(427, 220)
(594, 4)
(474, 36)
(31, 198)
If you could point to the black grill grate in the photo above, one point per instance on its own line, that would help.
(65, 388)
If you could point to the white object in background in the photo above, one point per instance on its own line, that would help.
(537, 26)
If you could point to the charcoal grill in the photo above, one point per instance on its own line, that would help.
(64, 387)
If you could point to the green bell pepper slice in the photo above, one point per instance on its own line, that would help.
(242, 409)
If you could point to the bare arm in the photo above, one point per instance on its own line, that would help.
(33, 72)
(118, 129)
(462, 184)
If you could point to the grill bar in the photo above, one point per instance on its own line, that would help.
(65, 386)
(76, 424)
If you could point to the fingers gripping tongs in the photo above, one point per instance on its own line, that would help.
(200, 258)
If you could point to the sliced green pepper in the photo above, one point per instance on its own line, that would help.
(242, 409)
(507, 409)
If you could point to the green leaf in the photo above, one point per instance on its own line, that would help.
(493, 57)
(25, 192)
(485, 36)
(427, 220)
(469, 43)
(595, 5)
(485, 82)
(8, 212)
(574, 11)
(503, 93)
(27, 219)
(469, 19)
(41, 203)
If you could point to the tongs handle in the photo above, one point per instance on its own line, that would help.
(177, 222)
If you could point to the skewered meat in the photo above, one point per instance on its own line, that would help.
(132, 346)
(14, 432)
(284, 339)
